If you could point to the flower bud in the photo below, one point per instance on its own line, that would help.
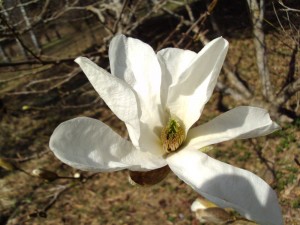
(148, 178)
(208, 212)
(45, 174)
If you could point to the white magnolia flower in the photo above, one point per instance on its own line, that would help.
(159, 97)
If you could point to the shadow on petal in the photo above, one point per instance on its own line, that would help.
(227, 186)
(234, 191)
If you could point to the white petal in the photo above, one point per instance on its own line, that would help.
(227, 186)
(188, 96)
(116, 93)
(89, 144)
(173, 62)
(136, 63)
(239, 123)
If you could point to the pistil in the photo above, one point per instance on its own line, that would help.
(172, 135)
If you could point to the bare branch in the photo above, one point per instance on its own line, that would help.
(288, 91)
(119, 17)
(233, 79)
(286, 8)
(19, 39)
(227, 90)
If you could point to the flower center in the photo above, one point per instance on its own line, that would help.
(172, 135)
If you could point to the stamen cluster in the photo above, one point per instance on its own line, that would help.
(172, 135)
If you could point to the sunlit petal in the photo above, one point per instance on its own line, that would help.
(188, 96)
(89, 144)
(136, 63)
(239, 123)
(173, 62)
(116, 93)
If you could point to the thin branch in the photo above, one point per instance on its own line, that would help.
(202, 18)
(100, 17)
(286, 8)
(34, 62)
(288, 91)
(235, 81)
(31, 72)
(189, 11)
(259, 152)
(48, 61)
(119, 17)
(170, 36)
(232, 78)
(19, 39)
(158, 5)
(227, 90)
(290, 78)
(21, 159)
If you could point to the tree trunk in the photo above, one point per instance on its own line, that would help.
(257, 17)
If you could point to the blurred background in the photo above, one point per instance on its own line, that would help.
(41, 86)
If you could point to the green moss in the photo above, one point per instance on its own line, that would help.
(296, 203)
(171, 218)
(292, 169)
(245, 156)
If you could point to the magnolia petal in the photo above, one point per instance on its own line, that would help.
(136, 63)
(173, 63)
(116, 93)
(188, 96)
(227, 186)
(239, 123)
(88, 144)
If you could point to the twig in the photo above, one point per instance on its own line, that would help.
(290, 78)
(61, 189)
(189, 11)
(31, 72)
(244, 92)
(24, 159)
(235, 81)
(288, 8)
(288, 91)
(101, 18)
(51, 60)
(55, 197)
(158, 5)
(227, 90)
(199, 21)
(45, 80)
(258, 150)
(119, 17)
(164, 42)
(43, 212)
